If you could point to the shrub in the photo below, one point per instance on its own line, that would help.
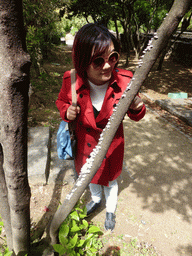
(77, 236)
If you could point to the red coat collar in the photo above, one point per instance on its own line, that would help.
(80, 82)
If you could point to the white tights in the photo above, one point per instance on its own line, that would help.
(111, 193)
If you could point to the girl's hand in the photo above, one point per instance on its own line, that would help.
(137, 104)
(72, 112)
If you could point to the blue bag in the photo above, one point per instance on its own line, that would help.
(65, 143)
(66, 140)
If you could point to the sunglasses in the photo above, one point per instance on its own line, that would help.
(99, 62)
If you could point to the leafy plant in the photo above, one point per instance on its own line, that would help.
(40, 18)
(6, 251)
(77, 236)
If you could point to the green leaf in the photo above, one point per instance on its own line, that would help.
(87, 240)
(72, 253)
(59, 248)
(93, 249)
(94, 229)
(85, 223)
(82, 216)
(75, 229)
(74, 215)
(89, 243)
(81, 251)
(69, 251)
(63, 240)
(89, 236)
(64, 230)
(79, 209)
(8, 254)
(73, 241)
(81, 243)
(85, 210)
(73, 223)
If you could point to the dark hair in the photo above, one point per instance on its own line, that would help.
(91, 41)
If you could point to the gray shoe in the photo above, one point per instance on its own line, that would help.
(110, 221)
(92, 206)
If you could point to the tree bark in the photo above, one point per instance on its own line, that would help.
(162, 57)
(116, 28)
(88, 171)
(14, 85)
(4, 205)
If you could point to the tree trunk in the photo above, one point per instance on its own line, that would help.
(126, 42)
(88, 171)
(14, 84)
(116, 28)
(169, 49)
(135, 40)
(162, 57)
(4, 205)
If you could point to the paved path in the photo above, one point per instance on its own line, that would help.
(156, 188)
(182, 108)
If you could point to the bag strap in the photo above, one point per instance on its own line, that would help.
(72, 125)
(73, 91)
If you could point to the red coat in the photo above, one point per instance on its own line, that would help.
(88, 129)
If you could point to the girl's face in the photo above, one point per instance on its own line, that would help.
(100, 74)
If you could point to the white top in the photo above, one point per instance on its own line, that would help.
(97, 94)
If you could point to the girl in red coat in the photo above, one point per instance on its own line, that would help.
(99, 86)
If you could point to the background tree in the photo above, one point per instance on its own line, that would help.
(137, 17)
(14, 84)
(170, 46)
(98, 10)
(153, 50)
(40, 18)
